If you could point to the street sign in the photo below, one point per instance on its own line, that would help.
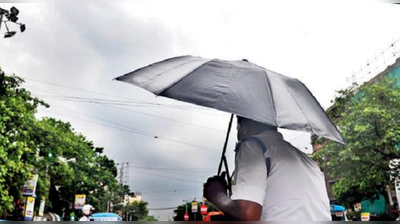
(195, 207)
(203, 209)
(41, 208)
(29, 187)
(29, 207)
(80, 200)
(365, 216)
(186, 216)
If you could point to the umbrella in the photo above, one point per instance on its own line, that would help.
(238, 87)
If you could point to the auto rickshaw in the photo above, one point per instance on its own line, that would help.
(105, 217)
(338, 213)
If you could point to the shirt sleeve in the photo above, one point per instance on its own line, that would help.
(250, 173)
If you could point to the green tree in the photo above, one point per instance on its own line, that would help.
(369, 119)
(92, 173)
(17, 148)
(137, 208)
(29, 146)
(149, 218)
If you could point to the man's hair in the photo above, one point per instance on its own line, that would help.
(255, 126)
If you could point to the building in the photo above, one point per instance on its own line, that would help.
(392, 72)
(132, 198)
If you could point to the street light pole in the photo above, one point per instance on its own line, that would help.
(1, 20)
(1, 17)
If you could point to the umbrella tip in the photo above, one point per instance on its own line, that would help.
(245, 60)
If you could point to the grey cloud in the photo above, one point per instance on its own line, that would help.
(85, 46)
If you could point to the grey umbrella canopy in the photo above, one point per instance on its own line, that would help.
(237, 87)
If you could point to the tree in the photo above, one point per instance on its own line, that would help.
(92, 173)
(149, 218)
(17, 148)
(369, 119)
(29, 146)
(137, 208)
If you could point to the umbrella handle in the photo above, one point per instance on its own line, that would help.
(228, 178)
(223, 158)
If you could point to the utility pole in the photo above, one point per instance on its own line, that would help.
(123, 173)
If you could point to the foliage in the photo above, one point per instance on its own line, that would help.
(17, 109)
(368, 118)
(66, 162)
(92, 173)
(137, 208)
(354, 215)
(149, 218)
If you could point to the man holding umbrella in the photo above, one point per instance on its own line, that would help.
(274, 180)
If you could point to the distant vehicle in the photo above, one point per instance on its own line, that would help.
(105, 217)
(338, 213)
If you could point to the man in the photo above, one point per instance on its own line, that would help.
(87, 211)
(274, 181)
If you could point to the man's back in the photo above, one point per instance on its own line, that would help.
(295, 187)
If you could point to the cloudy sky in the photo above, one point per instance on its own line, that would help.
(70, 54)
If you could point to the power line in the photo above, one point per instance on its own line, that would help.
(158, 209)
(134, 130)
(151, 192)
(169, 177)
(174, 173)
(105, 102)
(112, 102)
(115, 96)
(142, 113)
(107, 121)
(148, 134)
(174, 169)
(118, 128)
(173, 198)
(169, 119)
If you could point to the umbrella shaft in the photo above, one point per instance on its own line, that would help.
(224, 150)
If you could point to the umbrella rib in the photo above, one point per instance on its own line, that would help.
(120, 78)
(272, 96)
(334, 125)
(177, 81)
(308, 121)
(159, 74)
(228, 85)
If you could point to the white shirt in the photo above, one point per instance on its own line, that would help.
(295, 189)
